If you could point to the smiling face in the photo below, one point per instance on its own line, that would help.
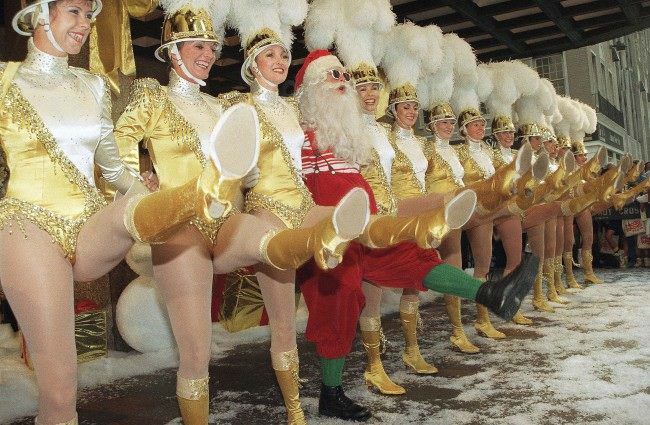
(535, 142)
(272, 64)
(406, 114)
(551, 147)
(444, 128)
(70, 22)
(476, 129)
(369, 96)
(505, 138)
(198, 57)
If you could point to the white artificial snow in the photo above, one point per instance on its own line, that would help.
(588, 363)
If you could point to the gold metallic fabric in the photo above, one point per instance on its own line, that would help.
(172, 142)
(264, 37)
(497, 157)
(192, 389)
(440, 177)
(502, 123)
(111, 48)
(403, 180)
(440, 111)
(242, 304)
(280, 188)
(373, 173)
(530, 129)
(473, 172)
(364, 73)
(47, 189)
(188, 23)
(90, 335)
(404, 93)
(469, 115)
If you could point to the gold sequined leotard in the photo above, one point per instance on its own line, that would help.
(280, 188)
(55, 126)
(410, 164)
(175, 123)
(445, 173)
(476, 158)
(378, 170)
(502, 156)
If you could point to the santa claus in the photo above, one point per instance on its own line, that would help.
(337, 145)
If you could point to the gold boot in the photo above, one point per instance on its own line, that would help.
(539, 300)
(153, 218)
(73, 421)
(483, 325)
(286, 368)
(458, 338)
(375, 375)
(427, 229)
(559, 285)
(326, 242)
(587, 266)
(549, 275)
(193, 400)
(567, 259)
(520, 319)
(409, 314)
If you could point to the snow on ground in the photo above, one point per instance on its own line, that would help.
(587, 363)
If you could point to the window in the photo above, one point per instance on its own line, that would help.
(552, 67)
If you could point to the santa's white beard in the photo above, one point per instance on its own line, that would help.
(337, 119)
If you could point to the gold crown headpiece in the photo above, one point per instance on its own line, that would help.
(564, 141)
(530, 130)
(364, 73)
(469, 115)
(502, 123)
(439, 112)
(186, 24)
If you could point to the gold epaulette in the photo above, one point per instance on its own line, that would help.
(234, 97)
(146, 91)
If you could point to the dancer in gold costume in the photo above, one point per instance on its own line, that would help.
(55, 126)
(175, 122)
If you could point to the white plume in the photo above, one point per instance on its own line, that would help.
(355, 27)
(250, 16)
(592, 118)
(569, 115)
(465, 94)
(504, 90)
(406, 46)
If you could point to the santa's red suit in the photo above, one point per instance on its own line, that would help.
(334, 298)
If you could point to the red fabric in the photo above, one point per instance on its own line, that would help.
(84, 306)
(334, 298)
(312, 56)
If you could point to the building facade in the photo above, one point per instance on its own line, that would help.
(613, 77)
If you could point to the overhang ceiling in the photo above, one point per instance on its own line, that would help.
(497, 29)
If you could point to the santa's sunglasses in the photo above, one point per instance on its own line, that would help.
(336, 74)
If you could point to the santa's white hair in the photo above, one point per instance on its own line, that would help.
(336, 119)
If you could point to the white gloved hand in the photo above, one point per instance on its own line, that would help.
(642, 199)
(251, 179)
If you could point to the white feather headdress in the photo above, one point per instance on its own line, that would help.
(264, 23)
(406, 47)
(356, 28)
(205, 20)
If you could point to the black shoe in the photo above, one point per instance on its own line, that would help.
(335, 404)
(503, 297)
